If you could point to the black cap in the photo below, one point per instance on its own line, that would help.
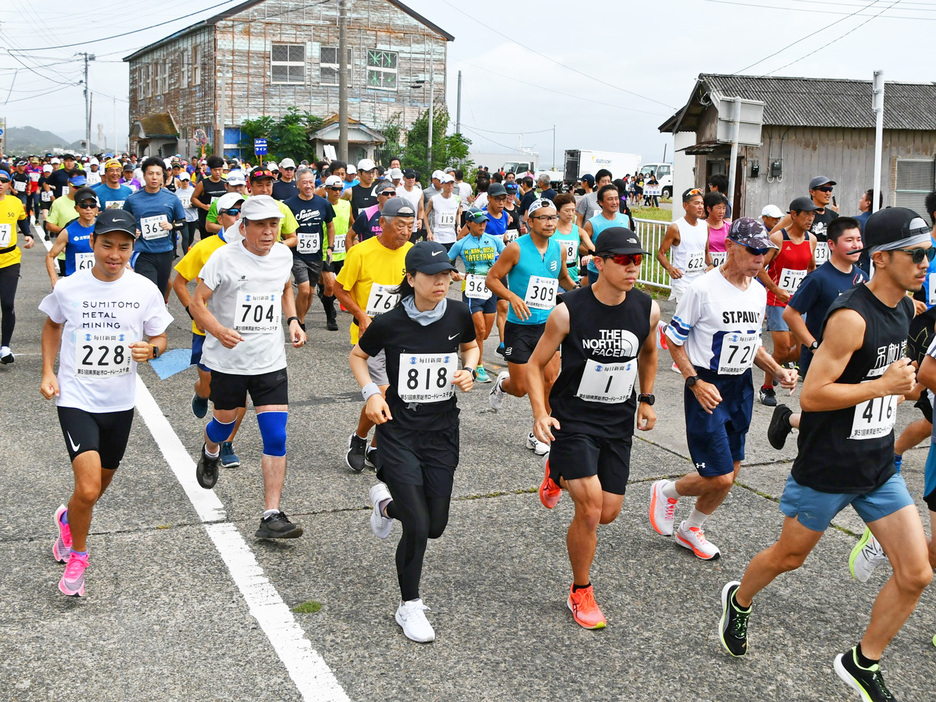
(409, 173)
(116, 221)
(893, 224)
(261, 173)
(618, 240)
(496, 190)
(428, 257)
(85, 193)
(803, 204)
(819, 181)
(748, 231)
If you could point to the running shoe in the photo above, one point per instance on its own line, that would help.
(357, 448)
(497, 395)
(500, 349)
(549, 492)
(535, 445)
(780, 427)
(694, 539)
(867, 682)
(228, 458)
(61, 549)
(331, 324)
(675, 368)
(481, 375)
(6, 356)
(767, 397)
(734, 620)
(72, 582)
(662, 509)
(206, 472)
(584, 609)
(278, 526)
(411, 616)
(370, 458)
(199, 406)
(380, 524)
(865, 557)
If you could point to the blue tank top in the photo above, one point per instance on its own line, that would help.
(929, 284)
(496, 227)
(79, 242)
(599, 224)
(531, 263)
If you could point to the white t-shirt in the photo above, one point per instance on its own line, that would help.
(719, 324)
(185, 197)
(463, 190)
(247, 296)
(414, 197)
(93, 177)
(96, 372)
(444, 215)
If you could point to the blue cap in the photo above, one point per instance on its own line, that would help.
(588, 178)
(78, 181)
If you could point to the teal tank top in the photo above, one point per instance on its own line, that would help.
(531, 263)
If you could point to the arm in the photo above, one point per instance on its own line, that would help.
(557, 329)
(58, 247)
(927, 374)
(470, 353)
(706, 393)
(429, 235)
(646, 370)
(198, 308)
(376, 408)
(142, 351)
(296, 335)
(51, 340)
(344, 297)
(565, 280)
(812, 252)
(764, 277)
(502, 266)
(421, 213)
(213, 227)
(766, 363)
(197, 194)
(180, 286)
(671, 238)
(797, 325)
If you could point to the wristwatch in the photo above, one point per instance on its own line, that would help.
(691, 381)
(290, 319)
(647, 397)
(814, 345)
(155, 351)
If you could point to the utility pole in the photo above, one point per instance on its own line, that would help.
(458, 108)
(877, 104)
(87, 96)
(342, 80)
(431, 105)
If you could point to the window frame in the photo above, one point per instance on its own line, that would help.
(288, 64)
(395, 71)
(335, 66)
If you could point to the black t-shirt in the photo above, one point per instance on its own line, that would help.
(362, 197)
(426, 355)
(283, 191)
(312, 216)
(367, 225)
(526, 201)
(210, 191)
(549, 194)
(58, 179)
(821, 223)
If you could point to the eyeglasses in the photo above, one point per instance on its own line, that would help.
(917, 255)
(626, 259)
(757, 252)
(233, 212)
(89, 205)
(825, 189)
(548, 218)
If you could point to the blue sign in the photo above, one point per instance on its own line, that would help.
(260, 147)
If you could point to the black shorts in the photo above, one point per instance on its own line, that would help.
(104, 432)
(306, 271)
(413, 457)
(230, 391)
(520, 340)
(574, 456)
(925, 406)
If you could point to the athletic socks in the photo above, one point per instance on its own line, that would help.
(734, 603)
(696, 519)
(863, 660)
(669, 491)
(213, 455)
(383, 506)
(269, 513)
(576, 588)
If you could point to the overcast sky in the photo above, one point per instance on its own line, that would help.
(606, 73)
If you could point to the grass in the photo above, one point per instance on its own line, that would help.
(657, 213)
(310, 607)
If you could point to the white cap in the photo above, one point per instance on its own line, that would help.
(447, 178)
(351, 170)
(95, 162)
(271, 165)
(395, 174)
(55, 160)
(260, 207)
(184, 175)
(229, 200)
(287, 163)
(332, 181)
(772, 211)
(438, 175)
(450, 170)
(236, 178)
(365, 164)
(167, 162)
(47, 168)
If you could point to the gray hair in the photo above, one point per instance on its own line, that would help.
(303, 171)
(543, 178)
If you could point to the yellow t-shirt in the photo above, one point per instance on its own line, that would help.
(11, 212)
(192, 262)
(367, 263)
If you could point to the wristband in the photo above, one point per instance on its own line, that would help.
(290, 319)
(189, 313)
(369, 390)
(470, 370)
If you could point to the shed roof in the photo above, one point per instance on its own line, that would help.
(814, 102)
(155, 125)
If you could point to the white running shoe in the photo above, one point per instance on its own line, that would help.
(662, 509)
(410, 615)
(535, 445)
(675, 368)
(865, 557)
(497, 394)
(694, 539)
(380, 524)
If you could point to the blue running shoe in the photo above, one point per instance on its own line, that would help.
(229, 459)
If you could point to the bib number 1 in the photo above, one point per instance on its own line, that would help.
(609, 383)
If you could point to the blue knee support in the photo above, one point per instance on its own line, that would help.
(218, 431)
(273, 432)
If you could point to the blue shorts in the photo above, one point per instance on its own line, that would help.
(929, 479)
(198, 343)
(488, 306)
(716, 440)
(775, 321)
(815, 510)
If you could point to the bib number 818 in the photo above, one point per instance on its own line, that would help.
(412, 378)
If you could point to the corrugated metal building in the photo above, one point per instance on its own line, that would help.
(816, 127)
(264, 56)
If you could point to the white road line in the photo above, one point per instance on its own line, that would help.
(308, 670)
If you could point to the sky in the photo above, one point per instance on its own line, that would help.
(605, 74)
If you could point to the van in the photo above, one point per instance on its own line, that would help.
(664, 175)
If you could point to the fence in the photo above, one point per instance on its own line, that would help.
(651, 232)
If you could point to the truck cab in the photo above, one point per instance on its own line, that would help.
(664, 175)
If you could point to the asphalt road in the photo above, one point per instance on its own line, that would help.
(171, 614)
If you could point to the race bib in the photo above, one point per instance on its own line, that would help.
(610, 383)
(541, 293)
(737, 353)
(6, 235)
(790, 279)
(84, 261)
(185, 198)
(426, 377)
(309, 243)
(445, 219)
(114, 204)
(475, 287)
(46, 196)
(696, 262)
(19, 186)
(150, 229)
(570, 246)
(382, 298)
(718, 257)
(214, 198)
(339, 247)
(258, 314)
(822, 252)
(874, 418)
(102, 355)
(511, 235)
(931, 297)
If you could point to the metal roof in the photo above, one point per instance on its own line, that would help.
(814, 102)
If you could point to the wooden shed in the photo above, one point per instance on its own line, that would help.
(262, 57)
(815, 127)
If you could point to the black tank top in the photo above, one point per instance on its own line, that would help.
(362, 198)
(594, 393)
(211, 190)
(851, 450)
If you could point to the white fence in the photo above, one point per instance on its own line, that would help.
(651, 233)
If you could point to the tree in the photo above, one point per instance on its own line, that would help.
(288, 136)
(450, 150)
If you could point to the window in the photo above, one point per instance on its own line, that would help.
(381, 69)
(915, 180)
(162, 78)
(287, 63)
(196, 67)
(329, 66)
(149, 80)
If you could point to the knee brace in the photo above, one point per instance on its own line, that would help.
(218, 431)
(273, 432)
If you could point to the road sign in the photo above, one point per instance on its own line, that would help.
(260, 147)
(2, 130)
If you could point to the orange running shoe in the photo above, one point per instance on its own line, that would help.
(585, 609)
(549, 492)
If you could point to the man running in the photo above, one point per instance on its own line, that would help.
(687, 237)
(110, 193)
(207, 190)
(12, 217)
(75, 238)
(820, 194)
(443, 213)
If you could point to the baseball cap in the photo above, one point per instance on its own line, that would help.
(588, 178)
(271, 165)
(893, 225)
(772, 211)
(819, 181)
(55, 161)
(509, 187)
(537, 204)
(428, 257)
(395, 174)
(438, 175)
(803, 204)
(78, 181)
(259, 173)
(184, 176)
(496, 190)
(398, 207)
(128, 167)
(116, 221)
(691, 193)
(447, 178)
(4, 176)
(112, 163)
(332, 181)
(365, 164)
(409, 173)
(382, 186)
(47, 168)
(748, 231)
(229, 200)
(85, 193)
(236, 178)
(260, 207)
(287, 163)
(618, 240)
(351, 170)
(476, 215)
(22, 162)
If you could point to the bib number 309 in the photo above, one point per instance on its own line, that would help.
(426, 377)
(541, 293)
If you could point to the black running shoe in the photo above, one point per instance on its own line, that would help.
(370, 458)
(780, 426)
(767, 397)
(733, 627)
(331, 324)
(206, 472)
(868, 682)
(278, 526)
(356, 453)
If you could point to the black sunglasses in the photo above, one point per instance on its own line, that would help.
(757, 252)
(233, 212)
(917, 255)
(88, 205)
(825, 188)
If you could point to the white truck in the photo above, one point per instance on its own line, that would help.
(664, 176)
(578, 162)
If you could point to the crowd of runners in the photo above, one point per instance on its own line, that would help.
(848, 299)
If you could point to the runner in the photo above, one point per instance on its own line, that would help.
(362, 194)
(97, 322)
(687, 237)
(367, 224)
(244, 349)
(342, 223)
(410, 191)
(714, 340)
(820, 194)
(568, 233)
(609, 199)
(110, 193)
(716, 205)
(288, 185)
(417, 422)
(207, 190)
(846, 442)
(12, 216)
(443, 213)
(534, 266)
(184, 193)
(235, 182)
(75, 239)
(605, 334)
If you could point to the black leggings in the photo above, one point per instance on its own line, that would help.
(422, 518)
(9, 279)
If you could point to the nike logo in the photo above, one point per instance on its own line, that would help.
(71, 441)
(436, 253)
(450, 338)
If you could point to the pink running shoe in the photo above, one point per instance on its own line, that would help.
(61, 549)
(72, 582)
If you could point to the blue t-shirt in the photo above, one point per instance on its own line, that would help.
(533, 263)
(367, 223)
(111, 198)
(160, 206)
(819, 290)
(496, 227)
(599, 224)
(79, 242)
(312, 216)
(478, 253)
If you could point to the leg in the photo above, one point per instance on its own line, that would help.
(225, 417)
(582, 537)
(272, 422)
(914, 433)
(411, 509)
(9, 280)
(203, 384)
(90, 483)
(502, 307)
(274, 475)
(303, 300)
(516, 384)
(478, 318)
(711, 491)
(932, 540)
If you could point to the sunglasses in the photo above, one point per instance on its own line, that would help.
(757, 252)
(89, 205)
(337, 190)
(693, 192)
(917, 255)
(825, 189)
(626, 259)
(386, 193)
(233, 212)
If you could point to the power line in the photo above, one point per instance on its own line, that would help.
(824, 12)
(503, 146)
(491, 131)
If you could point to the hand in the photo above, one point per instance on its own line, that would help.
(542, 428)
(363, 323)
(783, 295)
(899, 378)
(919, 307)
(165, 225)
(228, 337)
(29, 243)
(456, 276)
(787, 378)
(707, 395)
(675, 273)
(297, 335)
(429, 236)
(463, 380)
(49, 386)
(377, 409)
(519, 308)
(141, 351)
(646, 416)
